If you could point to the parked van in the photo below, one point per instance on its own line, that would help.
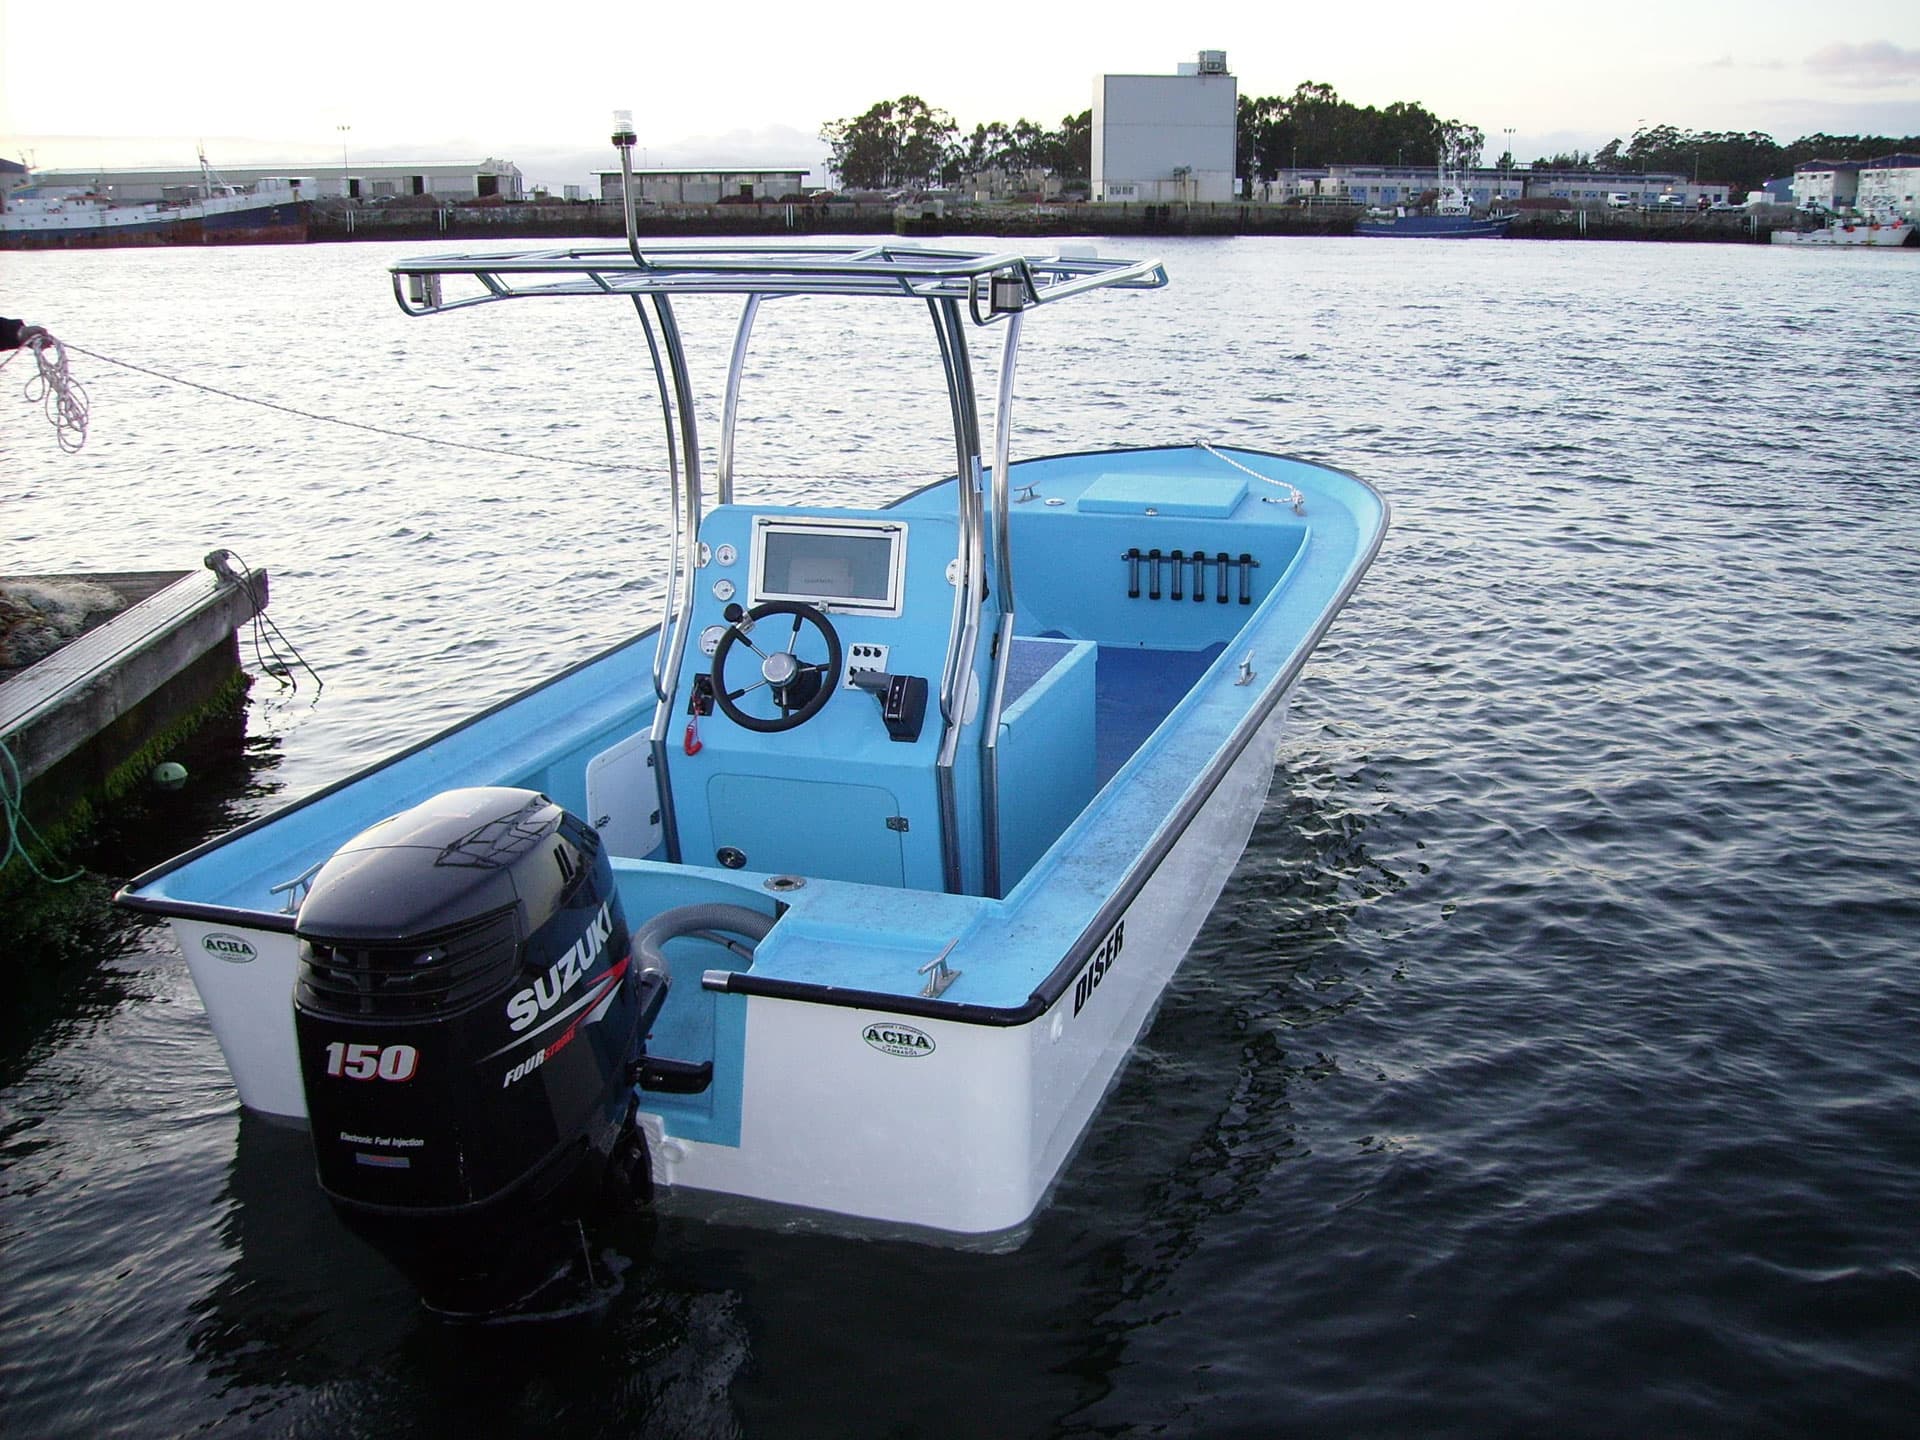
(1619, 200)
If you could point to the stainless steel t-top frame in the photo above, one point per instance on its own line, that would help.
(986, 286)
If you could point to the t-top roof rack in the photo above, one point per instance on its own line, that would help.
(993, 283)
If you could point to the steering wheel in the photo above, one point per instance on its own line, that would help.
(800, 688)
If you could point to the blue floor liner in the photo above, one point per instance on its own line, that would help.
(1133, 691)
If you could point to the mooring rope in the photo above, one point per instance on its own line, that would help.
(389, 431)
(266, 636)
(1299, 501)
(353, 424)
(67, 404)
(53, 388)
(19, 829)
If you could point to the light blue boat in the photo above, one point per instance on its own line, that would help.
(915, 810)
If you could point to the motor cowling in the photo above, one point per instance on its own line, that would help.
(468, 1021)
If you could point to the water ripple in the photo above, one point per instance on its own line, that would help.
(1547, 1065)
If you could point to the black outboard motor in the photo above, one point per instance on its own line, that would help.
(468, 1021)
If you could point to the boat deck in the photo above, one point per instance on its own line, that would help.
(1133, 691)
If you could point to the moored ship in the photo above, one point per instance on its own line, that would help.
(217, 214)
(1877, 230)
(1450, 217)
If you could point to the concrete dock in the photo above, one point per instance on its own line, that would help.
(79, 722)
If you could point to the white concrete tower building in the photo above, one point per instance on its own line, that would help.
(1166, 138)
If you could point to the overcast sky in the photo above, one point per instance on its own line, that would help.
(112, 82)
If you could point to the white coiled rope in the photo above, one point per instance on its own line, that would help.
(53, 388)
(1298, 500)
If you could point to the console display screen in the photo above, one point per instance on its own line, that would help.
(852, 567)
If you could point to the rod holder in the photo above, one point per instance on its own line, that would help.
(1174, 583)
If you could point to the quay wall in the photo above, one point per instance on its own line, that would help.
(334, 221)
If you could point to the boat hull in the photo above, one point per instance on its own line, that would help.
(1435, 227)
(1895, 235)
(245, 977)
(966, 1136)
(284, 223)
(963, 1136)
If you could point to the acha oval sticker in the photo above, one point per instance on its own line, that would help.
(228, 947)
(891, 1038)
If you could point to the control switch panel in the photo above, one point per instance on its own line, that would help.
(867, 656)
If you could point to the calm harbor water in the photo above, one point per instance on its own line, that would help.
(1549, 1063)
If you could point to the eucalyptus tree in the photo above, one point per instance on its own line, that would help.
(904, 142)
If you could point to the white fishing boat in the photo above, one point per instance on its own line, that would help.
(1875, 230)
(848, 886)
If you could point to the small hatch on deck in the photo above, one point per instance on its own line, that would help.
(1132, 493)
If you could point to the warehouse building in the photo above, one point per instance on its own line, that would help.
(1166, 138)
(1889, 185)
(1385, 186)
(706, 185)
(450, 180)
(1826, 184)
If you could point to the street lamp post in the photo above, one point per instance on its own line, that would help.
(346, 184)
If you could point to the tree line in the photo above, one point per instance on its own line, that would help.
(1314, 127)
(909, 144)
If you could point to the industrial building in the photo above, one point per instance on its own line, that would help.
(706, 186)
(1889, 184)
(1385, 186)
(450, 180)
(1826, 184)
(1166, 138)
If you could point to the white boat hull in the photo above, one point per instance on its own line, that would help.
(245, 978)
(1894, 234)
(965, 1136)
